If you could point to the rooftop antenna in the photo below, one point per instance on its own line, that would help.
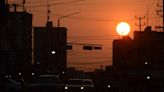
(24, 1)
(48, 11)
(163, 14)
(140, 22)
(6, 2)
(147, 18)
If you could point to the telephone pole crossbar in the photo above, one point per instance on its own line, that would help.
(140, 22)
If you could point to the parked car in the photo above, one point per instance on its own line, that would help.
(13, 85)
(45, 83)
(79, 85)
(88, 84)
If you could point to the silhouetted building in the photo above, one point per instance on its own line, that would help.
(3, 12)
(122, 49)
(50, 48)
(140, 60)
(16, 42)
(147, 48)
(2, 17)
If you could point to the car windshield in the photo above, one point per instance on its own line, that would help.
(87, 82)
(47, 80)
(74, 82)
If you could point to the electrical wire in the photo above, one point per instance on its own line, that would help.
(60, 3)
(89, 57)
(93, 19)
(89, 63)
(89, 39)
(101, 20)
(34, 2)
(97, 19)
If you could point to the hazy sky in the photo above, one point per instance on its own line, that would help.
(95, 24)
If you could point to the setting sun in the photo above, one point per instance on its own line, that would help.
(123, 28)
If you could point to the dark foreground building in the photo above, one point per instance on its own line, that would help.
(139, 62)
(15, 42)
(3, 11)
(50, 49)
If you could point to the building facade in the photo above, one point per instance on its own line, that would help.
(140, 61)
(50, 48)
(16, 42)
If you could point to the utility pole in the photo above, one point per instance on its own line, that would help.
(24, 5)
(163, 14)
(140, 22)
(6, 1)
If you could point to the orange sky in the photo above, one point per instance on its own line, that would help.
(94, 24)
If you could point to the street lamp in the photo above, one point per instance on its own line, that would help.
(65, 17)
(53, 52)
(148, 77)
(146, 63)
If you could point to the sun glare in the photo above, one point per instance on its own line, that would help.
(123, 28)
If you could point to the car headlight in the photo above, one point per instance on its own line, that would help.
(65, 87)
(109, 86)
(6, 76)
(81, 87)
(32, 74)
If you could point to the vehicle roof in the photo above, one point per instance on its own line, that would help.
(75, 79)
(81, 79)
(87, 79)
(49, 76)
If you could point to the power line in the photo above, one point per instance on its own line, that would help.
(66, 16)
(65, 3)
(93, 19)
(97, 19)
(60, 3)
(89, 39)
(34, 2)
(31, 2)
(85, 56)
(85, 44)
(89, 63)
(93, 37)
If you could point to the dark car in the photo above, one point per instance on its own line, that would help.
(45, 83)
(79, 85)
(88, 85)
(13, 85)
(74, 85)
